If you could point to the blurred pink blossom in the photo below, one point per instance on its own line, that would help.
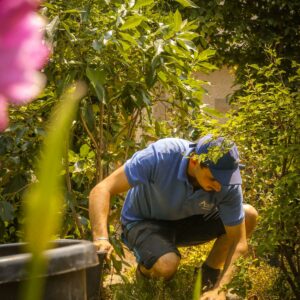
(22, 54)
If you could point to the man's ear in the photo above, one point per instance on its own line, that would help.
(193, 161)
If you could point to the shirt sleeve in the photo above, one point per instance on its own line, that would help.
(231, 206)
(140, 168)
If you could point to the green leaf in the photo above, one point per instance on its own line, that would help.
(198, 286)
(163, 76)
(157, 128)
(156, 61)
(97, 79)
(73, 157)
(48, 5)
(208, 66)
(15, 184)
(71, 35)
(84, 150)
(117, 264)
(44, 200)
(187, 3)
(254, 66)
(89, 116)
(187, 35)
(150, 77)
(73, 11)
(142, 3)
(6, 211)
(213, 112)
(145, 97)
(206, 54)
(132, 22)
(187, 44)
(129, 38)
(177, 20)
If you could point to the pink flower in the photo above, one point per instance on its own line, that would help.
(22, 54)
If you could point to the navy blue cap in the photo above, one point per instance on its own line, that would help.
(227, 168)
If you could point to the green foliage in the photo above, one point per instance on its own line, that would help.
(240, 30)
(265, 123)
(256, 278)
(181, 287)
(19, 148)
(129, 53)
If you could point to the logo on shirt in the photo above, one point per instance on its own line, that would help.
(206, 205)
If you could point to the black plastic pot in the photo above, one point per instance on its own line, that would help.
(73, 271)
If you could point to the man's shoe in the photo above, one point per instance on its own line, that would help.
(209, 277)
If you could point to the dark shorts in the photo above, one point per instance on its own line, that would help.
(150, 239)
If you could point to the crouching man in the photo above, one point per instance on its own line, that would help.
(179, 194)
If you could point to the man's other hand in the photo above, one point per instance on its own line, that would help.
(104, 246)
(213, 295)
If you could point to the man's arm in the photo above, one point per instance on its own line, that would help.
(99, 205)
(238, 246)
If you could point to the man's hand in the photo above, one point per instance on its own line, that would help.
(104, 246)
(215, 294)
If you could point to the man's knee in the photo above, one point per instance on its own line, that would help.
(165, 267)
(251, 216)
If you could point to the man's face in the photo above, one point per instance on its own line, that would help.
(206, 180)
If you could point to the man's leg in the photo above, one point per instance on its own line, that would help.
(165, 267)
(218, 253)
(153, 243)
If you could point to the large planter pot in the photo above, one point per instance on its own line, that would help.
(73, 271)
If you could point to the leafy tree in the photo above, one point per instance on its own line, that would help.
(240, 30)
(265, 123)
(130, 53)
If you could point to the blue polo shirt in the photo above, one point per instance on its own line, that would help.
(160, 188)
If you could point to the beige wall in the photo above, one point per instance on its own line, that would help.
(220, 87)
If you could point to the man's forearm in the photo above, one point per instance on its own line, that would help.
(234, 252)
(99, 206)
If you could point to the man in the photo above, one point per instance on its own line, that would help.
(179, 194)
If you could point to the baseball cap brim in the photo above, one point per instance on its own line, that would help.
(227, 177)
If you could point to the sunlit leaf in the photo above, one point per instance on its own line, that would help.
(206, 54)
(132, 22)
(187, 35)
(187, 44)
(198, 286)
(177, 20)
(162, 76)
(128, 38)
(187, 3)
(43, 201)
(142, 3)
(84, 150)
(208, 66)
